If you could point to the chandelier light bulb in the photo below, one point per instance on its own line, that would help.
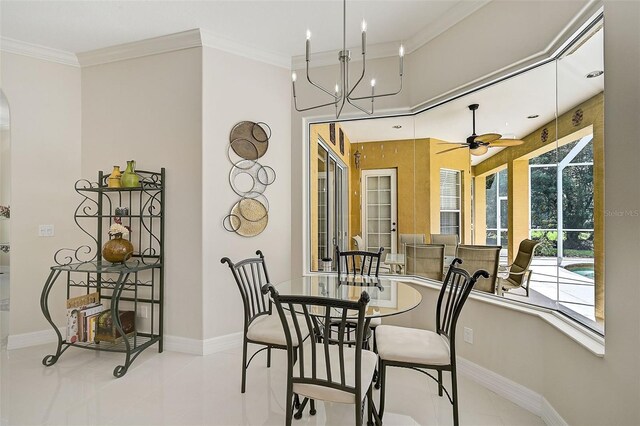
(364, 25)
(337, 89)
(373, 82)
(308, 34)
(294, 76)
(401, 51)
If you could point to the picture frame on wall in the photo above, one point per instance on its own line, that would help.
(332, 133)
(341, 142)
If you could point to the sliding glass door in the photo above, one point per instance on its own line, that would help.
(332, 204)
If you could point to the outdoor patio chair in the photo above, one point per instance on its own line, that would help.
(475, 257)
(519, 271)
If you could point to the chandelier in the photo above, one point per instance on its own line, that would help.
(343, 92)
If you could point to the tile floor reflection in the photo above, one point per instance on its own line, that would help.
(178, 389)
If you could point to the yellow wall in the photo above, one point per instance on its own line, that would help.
(322, 131)
(458, 159)
(417, 165)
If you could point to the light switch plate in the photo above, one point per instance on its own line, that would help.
(45, 231)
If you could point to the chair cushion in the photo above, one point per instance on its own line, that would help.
(412, 345)
(268, 329)
(323, 393)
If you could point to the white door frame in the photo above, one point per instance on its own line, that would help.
(392, 173)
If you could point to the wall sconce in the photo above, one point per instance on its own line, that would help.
(356, 157)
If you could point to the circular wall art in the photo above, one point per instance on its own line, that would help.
(249, 141)
(257, 213)
(257, 134)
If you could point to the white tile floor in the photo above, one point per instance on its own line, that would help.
(178, 389)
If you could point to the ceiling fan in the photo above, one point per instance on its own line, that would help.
(480, 144)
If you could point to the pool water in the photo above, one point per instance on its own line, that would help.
(584, 269)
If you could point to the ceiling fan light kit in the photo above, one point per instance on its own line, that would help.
(343, 92)
(480, 144)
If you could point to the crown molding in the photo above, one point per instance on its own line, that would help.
(327, 58)
(138, 49)
(384, 50)
(36, 51)
(244, 50)
(453, 16)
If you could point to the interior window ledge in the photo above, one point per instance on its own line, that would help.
(575, 331)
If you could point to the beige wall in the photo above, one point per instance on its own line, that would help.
(150, 109)
(45, 162)
(236, 89)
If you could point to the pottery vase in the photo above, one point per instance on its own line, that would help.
(117, 250)
(129, 178)
(113, 181)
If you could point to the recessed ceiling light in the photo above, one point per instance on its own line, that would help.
(594, 74)
(533, 116)
(397, 126)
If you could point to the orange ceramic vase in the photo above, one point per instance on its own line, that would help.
(117, 250)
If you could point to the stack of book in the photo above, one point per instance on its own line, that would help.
(82, 317)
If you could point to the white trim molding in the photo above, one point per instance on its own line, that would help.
(244, 50)
(25, 340)
(512, 391)
(138, 49)
(202, 347)
(36, 51)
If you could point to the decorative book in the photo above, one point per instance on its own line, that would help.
(106, 330)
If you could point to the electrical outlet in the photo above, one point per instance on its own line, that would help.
(45, 231)
(143, 312)
(468, 335)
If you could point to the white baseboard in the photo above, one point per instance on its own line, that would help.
(17, 341)
(222, 343)
(512, 391)
(202, 347)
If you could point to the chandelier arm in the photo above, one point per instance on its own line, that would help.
(361, 76)
(377, 96)
(295, 104)
(360, 108)
(318, 86)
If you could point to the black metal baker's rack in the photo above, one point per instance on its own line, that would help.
(137, 284)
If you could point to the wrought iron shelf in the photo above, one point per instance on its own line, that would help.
(138, 282)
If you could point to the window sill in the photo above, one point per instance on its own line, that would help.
(582, 335)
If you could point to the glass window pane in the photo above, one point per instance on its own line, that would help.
(491, 203)
(578, 244)
(492, 238)
(544, 208)
(503, 182)
(548, 243)
(504, 214)
(577, 197)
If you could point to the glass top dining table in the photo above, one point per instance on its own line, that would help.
(387, 297)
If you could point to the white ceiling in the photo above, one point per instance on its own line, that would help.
(504, 107)
(276, 27)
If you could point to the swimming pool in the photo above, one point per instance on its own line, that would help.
(584, 269)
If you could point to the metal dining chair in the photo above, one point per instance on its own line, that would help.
(419, 349)
(329, 366)
(260, 326)
(476, 257)
(358, 262)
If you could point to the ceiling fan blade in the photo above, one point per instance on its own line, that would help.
(482, 149)
(452, 149)
(453, 143)
(487, 137)
(506, 142)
